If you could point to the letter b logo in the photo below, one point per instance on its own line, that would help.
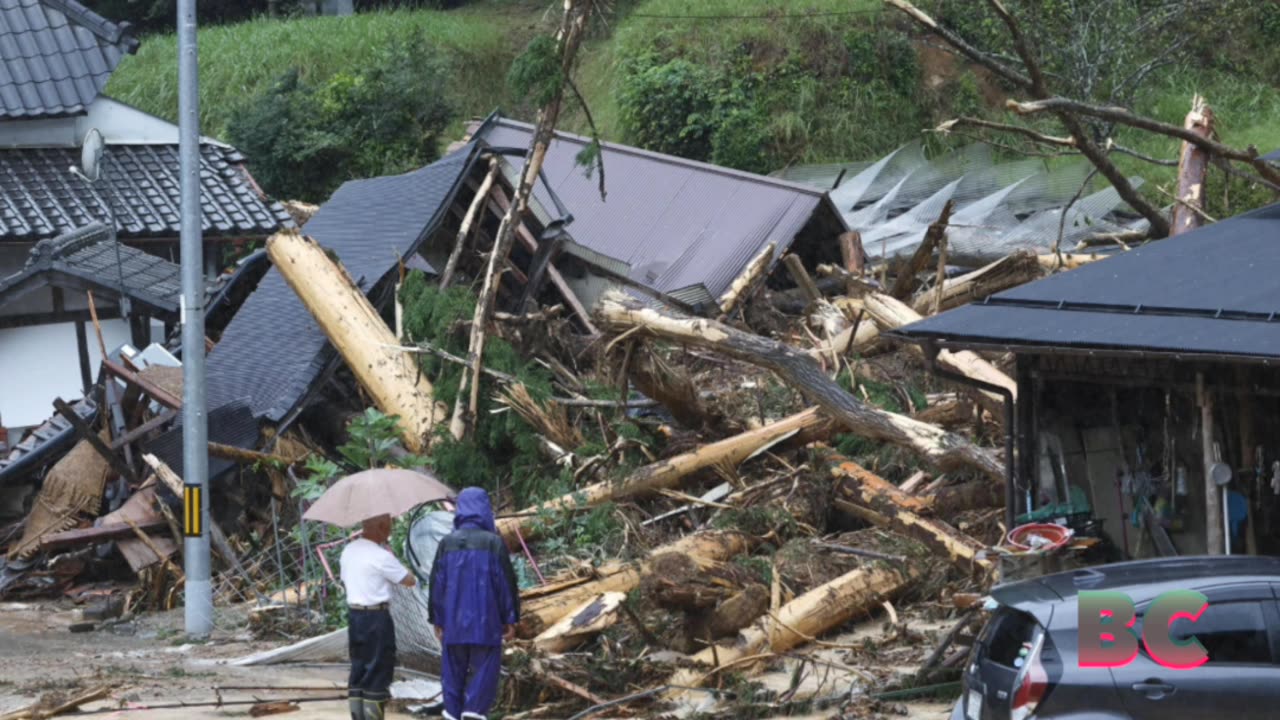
(1107, 638)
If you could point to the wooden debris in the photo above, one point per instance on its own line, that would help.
(943, 449)
(273, 708)
(666, 473)
(87, 434)
(581, 624)
(908, 279)
(94, 535)
(460, 242)
(356, 329)
(52, 706)
(1193, 170)
(1010, 271)
(746, 283)
(803, 280)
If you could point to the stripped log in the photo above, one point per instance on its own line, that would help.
(464, 230)
(583, 623)
(825, 607)
(1068, 261)
(706, 549)
(859, 486)
(942, 449)
(748, 281)
(1010, 271)
(358, 332)
(891, 314)
(1193, 170)
(663, 474)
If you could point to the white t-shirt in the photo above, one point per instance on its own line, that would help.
(368, 571)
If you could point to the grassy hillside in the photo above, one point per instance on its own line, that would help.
(761, 84)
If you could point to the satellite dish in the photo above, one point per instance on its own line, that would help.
(91, 154)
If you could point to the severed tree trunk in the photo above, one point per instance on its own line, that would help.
(942, 449)
(663, 474)
(460, 242)
(860, 486)
(891, 314)
(354, 327)
(1007, 272)
(577, 627)
(748, 281)
(825, 607)
(948, 413)
(1193, 170)
(703, 548)
(572, 27)
(908, 279)
(671, 387)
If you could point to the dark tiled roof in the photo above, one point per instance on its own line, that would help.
(272, 351)
(1211, 291)
(40, 198)
(86, 257)
(232, 424)
(55, 57)
(681, 227)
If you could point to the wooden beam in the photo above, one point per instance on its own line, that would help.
(50, 318)
(86, 432)
(245, 457)
(143, 429)
(82, 350)
(157, 393)
(94, 535)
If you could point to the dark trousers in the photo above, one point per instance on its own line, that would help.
(371, 637)
(470, 679)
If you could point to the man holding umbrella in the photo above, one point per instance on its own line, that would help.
(474, 606)
(370, 572)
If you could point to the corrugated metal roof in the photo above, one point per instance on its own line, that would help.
(272, 351)
(55, 57)
(1210, 291)
(39, 198)
(682, 228)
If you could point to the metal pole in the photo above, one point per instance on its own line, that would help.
(195, 432)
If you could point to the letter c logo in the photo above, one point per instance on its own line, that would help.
(1157, 630)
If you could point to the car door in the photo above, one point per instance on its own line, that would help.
(1240, 680)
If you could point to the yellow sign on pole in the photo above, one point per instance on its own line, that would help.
(191, 510)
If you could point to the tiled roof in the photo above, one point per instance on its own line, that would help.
(272, 351)
(55, 57)
(40, 198)
(86, 257)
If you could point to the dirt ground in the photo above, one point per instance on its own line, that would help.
(148, 663)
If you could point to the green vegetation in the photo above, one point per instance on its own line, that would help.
(778, 82)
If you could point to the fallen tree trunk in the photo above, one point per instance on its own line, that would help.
(891, 314)
(663, 474)
(460, 242)
(589, 619)
(942, 449)
(801, 620)
(1010, 271)
(1068, 261)
(354, 327)
(859, 486)
(951, 500)
(746, 283)
(703, 548)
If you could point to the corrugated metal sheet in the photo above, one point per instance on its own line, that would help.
(55, 57)
(1210, 291)
(681, 227)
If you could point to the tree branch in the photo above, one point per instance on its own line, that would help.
(1020, 45)
(924, 20)
(946, 128)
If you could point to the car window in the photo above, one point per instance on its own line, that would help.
(1006, 634)
(1230, 632)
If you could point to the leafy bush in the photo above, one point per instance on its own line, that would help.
(669, 106)
(305, 139)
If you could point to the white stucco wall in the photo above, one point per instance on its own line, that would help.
(40, 363)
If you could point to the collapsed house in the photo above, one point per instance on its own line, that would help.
(55, 60)
(1146, 395)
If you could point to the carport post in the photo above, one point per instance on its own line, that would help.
(198, 593)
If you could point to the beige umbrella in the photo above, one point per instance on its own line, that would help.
(385, 491)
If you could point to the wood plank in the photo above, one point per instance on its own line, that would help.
(87, 433)
(144, 428)
(157, 393)
(94, 535)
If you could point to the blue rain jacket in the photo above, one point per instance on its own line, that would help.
(473, 592)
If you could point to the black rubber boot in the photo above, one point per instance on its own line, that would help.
(356, 705)
(373, 709)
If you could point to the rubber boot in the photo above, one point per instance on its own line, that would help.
(356, 706)
(373, 709)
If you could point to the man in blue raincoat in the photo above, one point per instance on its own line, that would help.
(474, 605)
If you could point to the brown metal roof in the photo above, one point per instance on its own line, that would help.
(681, 227)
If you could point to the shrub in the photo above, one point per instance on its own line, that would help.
(668, 107)
(386, 119)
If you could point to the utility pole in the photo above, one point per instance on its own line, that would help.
(195, 431)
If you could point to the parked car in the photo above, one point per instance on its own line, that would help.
(1240, 629)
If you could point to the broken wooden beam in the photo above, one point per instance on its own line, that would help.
(95, 535)
(1193, 170)
(142, 430)
(944, 450)
(906, 281)
(358, 332)
(665, 473)
(156, 392)
(583, 623)
(804, 281)
(243, 456)
(86, 433)
(746, 283)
